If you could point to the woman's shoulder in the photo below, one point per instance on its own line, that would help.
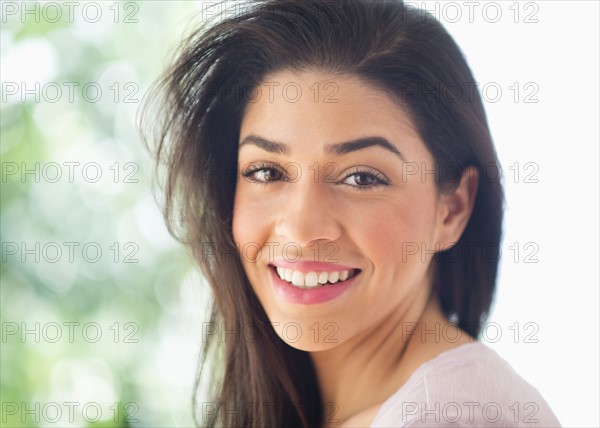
(470, 385)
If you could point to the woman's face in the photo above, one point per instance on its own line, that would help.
(334, 181)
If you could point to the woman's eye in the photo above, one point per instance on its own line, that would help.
(365, 180)
(263, 174)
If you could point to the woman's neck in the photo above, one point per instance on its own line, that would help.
(363, 372)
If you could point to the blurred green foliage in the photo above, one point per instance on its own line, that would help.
(116, 330)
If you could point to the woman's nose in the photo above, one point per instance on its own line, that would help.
(308, 215)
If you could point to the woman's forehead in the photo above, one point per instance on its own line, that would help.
(325, 109)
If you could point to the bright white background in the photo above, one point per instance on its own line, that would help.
(559, 213)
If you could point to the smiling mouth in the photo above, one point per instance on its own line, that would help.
(314, 279)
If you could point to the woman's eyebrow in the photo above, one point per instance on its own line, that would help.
(336, 148)
(362, 143)
(267, 145)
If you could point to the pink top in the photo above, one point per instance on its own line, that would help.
(468, 386)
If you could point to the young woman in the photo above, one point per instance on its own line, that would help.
(328, 165)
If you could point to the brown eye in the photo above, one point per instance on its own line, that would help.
(364, 180)
(267, 174)
(264, 174)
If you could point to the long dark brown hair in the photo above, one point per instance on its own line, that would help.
(191, 119)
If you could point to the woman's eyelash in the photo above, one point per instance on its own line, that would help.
(377, 178)
(250, 172)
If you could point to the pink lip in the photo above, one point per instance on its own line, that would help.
(308, 266)
(309, 296)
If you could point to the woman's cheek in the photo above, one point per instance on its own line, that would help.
(250, 224)
(391, 232)
(242, 219)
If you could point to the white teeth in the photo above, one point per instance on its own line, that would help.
(298, 278)
(333, 277)
(312, 279)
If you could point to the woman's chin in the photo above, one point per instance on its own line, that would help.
(310, 346)
(309, 336)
